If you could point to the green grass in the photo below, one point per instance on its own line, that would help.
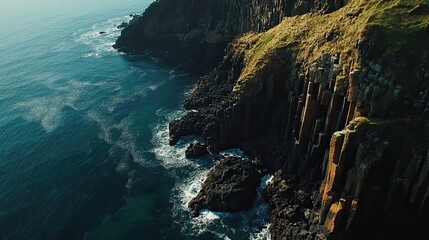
(261, 44)
(379, 121)
(396, 30)
(400, 31)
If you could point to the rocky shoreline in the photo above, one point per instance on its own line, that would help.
(230, 187)
(320, 100)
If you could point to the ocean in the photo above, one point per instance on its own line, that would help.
(84, 148)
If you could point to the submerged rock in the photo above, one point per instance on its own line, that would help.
(122, 25)
(230, 187)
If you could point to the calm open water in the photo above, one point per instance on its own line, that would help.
(83, 133)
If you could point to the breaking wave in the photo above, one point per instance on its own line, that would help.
(190, 175)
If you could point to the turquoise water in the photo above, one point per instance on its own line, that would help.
(83, 133)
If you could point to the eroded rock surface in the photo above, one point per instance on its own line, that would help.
(230, 187)
(196, 150)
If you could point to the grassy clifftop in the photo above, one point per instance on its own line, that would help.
(391, 33)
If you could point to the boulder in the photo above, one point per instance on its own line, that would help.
(230, 187)
(196, 150)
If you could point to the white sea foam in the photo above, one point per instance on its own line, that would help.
(101, 36)
(235, 152)
(114, 102)
(175, 74)
(261, 212)
(255, 222)
(190, 187)
(127, 141)
(154, 87)
(264, 234)
(207, 218)
(267, 179)
(184, 191)
(122, 168)
(169, 156)
(82, 84)
(48, 79)
(45, 111)
(192, 175)
(62, 46)
(123, 140)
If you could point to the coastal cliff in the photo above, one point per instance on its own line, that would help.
(193, 34)
(332, 97)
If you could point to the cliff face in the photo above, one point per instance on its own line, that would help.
(336, 104)
(194, 33)
(376, 180)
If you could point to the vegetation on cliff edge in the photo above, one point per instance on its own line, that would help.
(392, 33)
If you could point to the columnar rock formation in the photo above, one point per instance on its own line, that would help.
(194, 33)
(332, 105)
(221, 18)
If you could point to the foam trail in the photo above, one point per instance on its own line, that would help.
(44, 111)
(171, 157)
(100, 37)
(262, 211)
(47, 110)
(190, 177)
(264, 234)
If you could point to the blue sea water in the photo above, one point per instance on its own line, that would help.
(84, 133)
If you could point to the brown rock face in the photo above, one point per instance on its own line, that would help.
(372, 177)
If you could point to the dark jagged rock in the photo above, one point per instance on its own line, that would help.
(190, 124)
(292, 210)
(196, 150)
(122, 25)
(230, 187)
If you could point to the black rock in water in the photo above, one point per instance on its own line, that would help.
(122, 25)
(230, 187)
(196, 150)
